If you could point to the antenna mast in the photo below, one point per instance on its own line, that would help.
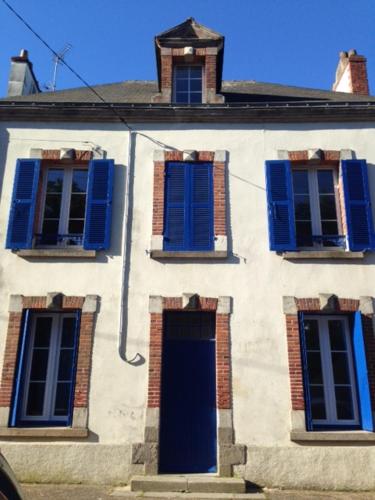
(56, 61)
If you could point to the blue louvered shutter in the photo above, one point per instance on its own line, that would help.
(305, 371)
(97, 233)
(357, 205)
(22, 211)
(281, 226)
(175, 224)
(363, 388)
(20, 370)
(201, 207)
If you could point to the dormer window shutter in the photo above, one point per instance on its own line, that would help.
(358, 205)
(97, 234)
(22, 211)
(281, 226)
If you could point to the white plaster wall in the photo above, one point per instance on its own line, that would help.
(255, 277)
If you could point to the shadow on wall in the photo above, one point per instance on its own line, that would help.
(4, 141)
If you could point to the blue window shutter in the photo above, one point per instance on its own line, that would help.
(201, 207)
(363, 388)
(20, 370)
(74, 367)
(22, 211)
(175, 223)
(97, 234)
(281, 226)
(306, 386)
(357, 205)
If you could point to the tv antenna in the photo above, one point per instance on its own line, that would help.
(57, 59)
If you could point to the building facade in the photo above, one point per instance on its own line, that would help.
(186, 275)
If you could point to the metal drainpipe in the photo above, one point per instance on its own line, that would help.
(126, 259)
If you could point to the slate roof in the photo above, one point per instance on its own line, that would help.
(141, 92)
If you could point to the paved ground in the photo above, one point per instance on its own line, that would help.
(79, 492)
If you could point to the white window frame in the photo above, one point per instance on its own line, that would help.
(52, 369)
(327, 373)
(316, 220)
(175, 66)
(65, 199)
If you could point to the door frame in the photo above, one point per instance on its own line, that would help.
(228, 453)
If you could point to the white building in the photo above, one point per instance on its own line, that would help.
(186, 277)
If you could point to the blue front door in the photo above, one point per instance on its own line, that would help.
(188, 408)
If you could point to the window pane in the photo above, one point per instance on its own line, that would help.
(330, 227)
(182, 85)
(340, 368)
(39, 364)
(76, 226)
(304, 234)
(196, 98)
(311, 334)
(196, 85)
(325, 181)
(344, 404)
(65, 364)
(62, 399)
(302, 207)
(52, 206)
(196, 71)
(336, 335)
(300, 182)
(327, 207)
(314, 368)
(50, 231)
(35, 399)
(42, 332)
(182, 97)
(55, 181)
(318, 411)
(77, 206)
(182, 71)
(68, 328)
(79, 184)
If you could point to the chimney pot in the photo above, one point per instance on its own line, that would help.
(352, 52)
(24, 54)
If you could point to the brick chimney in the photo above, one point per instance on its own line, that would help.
(22, 80)
(351, 74)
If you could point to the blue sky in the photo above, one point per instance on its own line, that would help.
(293, 42)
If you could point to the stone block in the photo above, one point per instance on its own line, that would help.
(232, 454)
(314, 154)
(189, 155)
(346, 154)
(190, 300)
(15, 303)
(159, 155)
(138, 453)
(366, 305)
(67, 154)
(289, 305)
(155, 304)
(80, 417)
(36, 153)
(4, 416)
(156, 242)
(90, 304)
(151, 434)
(225, 418)
(221, 155)
(282, 154)
(152, 417)
(298, 419)
(224, 305)
(225, 435)
(54, 300)
(328, 302)
(221, 243)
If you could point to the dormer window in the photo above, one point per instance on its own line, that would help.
(187, 84)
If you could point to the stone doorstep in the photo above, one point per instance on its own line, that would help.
(126, 494)
(187, 483)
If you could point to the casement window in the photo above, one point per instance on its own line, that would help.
(44, 386)
(61, 205)
(335, 373)
(188, 84)
(188, 211)
(304, 209)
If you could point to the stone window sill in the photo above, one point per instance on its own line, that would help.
(44, 432)
(333, 436)
(162, 254)
(324, 254)
(69, 253)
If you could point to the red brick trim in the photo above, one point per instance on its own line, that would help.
(223, 359)
(312, 305)
(303, 156)
(84, 348)
(219, 186)
(79, 155)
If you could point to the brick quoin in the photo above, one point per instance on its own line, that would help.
(84, 348)
(312, 305)
(223, 361)
(219, 188)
